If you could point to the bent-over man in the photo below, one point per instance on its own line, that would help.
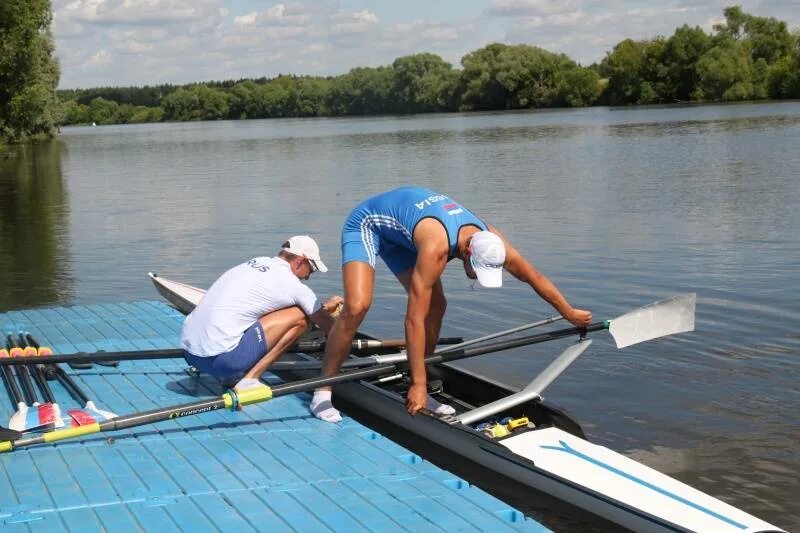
(416, 231)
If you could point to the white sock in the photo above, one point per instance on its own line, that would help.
(322, 407)
(439, 408)
(247, 383)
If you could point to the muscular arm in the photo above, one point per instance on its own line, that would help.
(520, 268)
(429, 267)
(431, 242)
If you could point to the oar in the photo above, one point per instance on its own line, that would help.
(88, 405)
(175, 353)
(17, 420)
(37, 372)
(38, 416)
(41, 382)
(660, 314)
(665, 317)
(394, 358)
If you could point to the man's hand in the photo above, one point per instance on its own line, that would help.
(332, 304)
(417, 398)
(579, 317)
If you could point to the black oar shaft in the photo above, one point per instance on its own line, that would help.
(11, 383)
(174, 353)
(70, 385)
(521, 341)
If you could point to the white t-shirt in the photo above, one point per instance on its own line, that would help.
(237, 299)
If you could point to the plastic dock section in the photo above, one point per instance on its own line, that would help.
(270, 467)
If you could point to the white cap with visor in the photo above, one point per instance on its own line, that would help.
(487, 255)
(305, 246)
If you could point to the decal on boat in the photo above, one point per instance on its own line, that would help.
(580, 455)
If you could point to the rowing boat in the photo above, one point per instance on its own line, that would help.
(517, 435)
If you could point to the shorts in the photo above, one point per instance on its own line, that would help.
(252, 347)
(364, 244)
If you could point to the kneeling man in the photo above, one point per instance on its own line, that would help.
(254, 312)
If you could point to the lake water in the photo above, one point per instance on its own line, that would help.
(618, 207)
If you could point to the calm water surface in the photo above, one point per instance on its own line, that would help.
(618, 207)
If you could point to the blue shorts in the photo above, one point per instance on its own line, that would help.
(366, 245)
(252, 347)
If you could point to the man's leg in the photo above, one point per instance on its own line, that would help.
(359, 281)
(433, 325)
(281, 329)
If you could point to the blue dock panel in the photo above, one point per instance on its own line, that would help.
(271, 467)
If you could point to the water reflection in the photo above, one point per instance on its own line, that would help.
(34, 228)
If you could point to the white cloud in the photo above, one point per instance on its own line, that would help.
(246, 20)
(343, 23)
(101, 58)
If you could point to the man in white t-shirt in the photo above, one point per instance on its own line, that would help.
(255, 311)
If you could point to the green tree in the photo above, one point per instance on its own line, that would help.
(725, 73)
(102, 111)
(682, 51)
(517, 77)
(623, 67)
(28, 71)
(362, 91)
(768, 38)
(423, 83)
(197, 102)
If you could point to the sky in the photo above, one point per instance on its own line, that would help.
(102, 43)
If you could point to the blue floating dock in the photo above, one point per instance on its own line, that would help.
(270, 467)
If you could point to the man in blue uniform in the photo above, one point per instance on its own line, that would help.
(416, 231)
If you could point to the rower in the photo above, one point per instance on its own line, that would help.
(416, 231)
(254, 312)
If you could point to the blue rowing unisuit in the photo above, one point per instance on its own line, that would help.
(383, 225)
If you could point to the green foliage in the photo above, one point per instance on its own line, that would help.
(423, 83)
(624, 69)
(362, 91)
(725, 73)
(499, 76)
(197, 102)
(28, 71)
(682, 51)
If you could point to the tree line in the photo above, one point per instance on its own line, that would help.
(746, 57)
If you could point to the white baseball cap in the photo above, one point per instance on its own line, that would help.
(487, 255)
(305, 246)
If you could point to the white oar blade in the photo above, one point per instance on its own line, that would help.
(98, 414)
(667, 317)
(17, 420)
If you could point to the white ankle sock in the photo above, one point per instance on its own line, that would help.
(322, 408)
(439, 408)
(247, 383)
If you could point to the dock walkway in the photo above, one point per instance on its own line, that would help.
(270, 467)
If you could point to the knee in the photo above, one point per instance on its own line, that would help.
(354, 310)
(302, 321)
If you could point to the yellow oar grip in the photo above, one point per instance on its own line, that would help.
(78, 431)
(6, 446)
(261, 393)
